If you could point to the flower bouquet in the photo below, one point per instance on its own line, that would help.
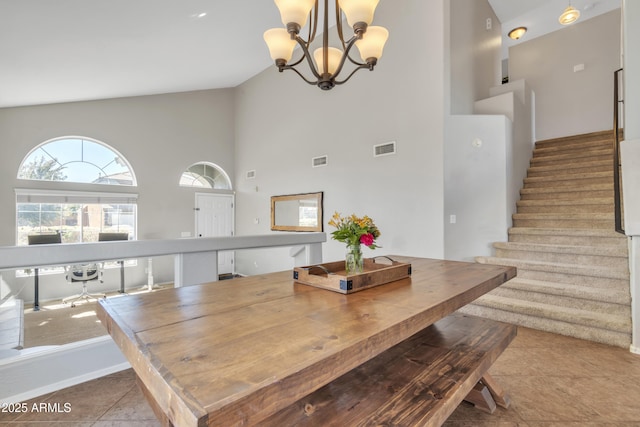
(354, 231)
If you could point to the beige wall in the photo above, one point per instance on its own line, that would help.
(159, 135)
(569, 102)
(281, 123)
(474, 53)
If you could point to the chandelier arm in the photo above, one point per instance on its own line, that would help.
(353, 72)
(296, 62)
(313, 24)
(339, 25)
(290, 67)
(345, 55)
(307, 55)
(325, 40)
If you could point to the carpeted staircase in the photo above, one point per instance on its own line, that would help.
(573, 274)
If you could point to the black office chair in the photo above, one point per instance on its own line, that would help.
(40, 239)
(110, 237)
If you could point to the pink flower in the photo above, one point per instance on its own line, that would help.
(367, 239)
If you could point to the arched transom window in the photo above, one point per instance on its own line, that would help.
(205, 175)
(77, 212)
(75, 159)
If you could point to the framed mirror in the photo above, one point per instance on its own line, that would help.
(297, 212)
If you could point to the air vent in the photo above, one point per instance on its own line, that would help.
(316, 162)
(385, 149)
(251, 174)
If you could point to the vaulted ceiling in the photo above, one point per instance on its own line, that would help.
(70, 50)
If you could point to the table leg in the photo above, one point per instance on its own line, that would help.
(157, 410)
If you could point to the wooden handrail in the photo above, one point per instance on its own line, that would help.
(617, 131)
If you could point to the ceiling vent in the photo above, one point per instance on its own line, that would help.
(251, 174)
(316, 162)
(385, 149)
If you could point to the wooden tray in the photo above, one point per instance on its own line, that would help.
(332, 275)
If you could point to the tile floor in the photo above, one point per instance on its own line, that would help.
(553, 381)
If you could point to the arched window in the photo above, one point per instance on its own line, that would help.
(79, 216)
(76, 159)
(205, 175)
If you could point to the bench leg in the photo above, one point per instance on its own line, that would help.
(486, 394)
(481, 398)
(500, 396)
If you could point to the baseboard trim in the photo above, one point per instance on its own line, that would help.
(29, 375)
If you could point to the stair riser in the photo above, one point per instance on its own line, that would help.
(599, 208)
(573, 150)
(569, 160)
(561, 183)
(618, 339)
(608, 224)
(563, 170)
(578, 259)
(563, 301)
(568, 240)
(539, 194)
(601, 136)
(605, 141)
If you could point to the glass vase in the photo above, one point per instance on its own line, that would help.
(354, 263)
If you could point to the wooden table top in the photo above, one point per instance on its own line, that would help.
(236, 351)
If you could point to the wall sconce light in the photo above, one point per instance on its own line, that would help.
(516, 33)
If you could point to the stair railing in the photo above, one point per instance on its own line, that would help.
(618, 131)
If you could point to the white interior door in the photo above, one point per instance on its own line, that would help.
(214, 218)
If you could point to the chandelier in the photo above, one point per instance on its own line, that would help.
(327, 62)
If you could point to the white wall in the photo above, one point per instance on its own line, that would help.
(568, 102)
(477, 172)
(159, 135)
(281, 123)
(631, 155)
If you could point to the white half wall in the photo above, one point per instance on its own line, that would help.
(477, 171)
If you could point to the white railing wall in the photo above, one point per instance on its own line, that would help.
(34, 372)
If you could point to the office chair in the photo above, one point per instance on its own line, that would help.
(40, 239)
(110, 237)
(83, 273)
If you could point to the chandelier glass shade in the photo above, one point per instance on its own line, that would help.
(569, 16)
(326, 62)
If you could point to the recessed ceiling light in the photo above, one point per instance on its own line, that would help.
(516, 33)
(199, 15)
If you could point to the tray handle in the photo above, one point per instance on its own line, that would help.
(383, 256)
(320, 267)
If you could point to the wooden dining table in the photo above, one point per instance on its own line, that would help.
(234, 352)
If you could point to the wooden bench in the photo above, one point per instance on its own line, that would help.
(419, 382)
